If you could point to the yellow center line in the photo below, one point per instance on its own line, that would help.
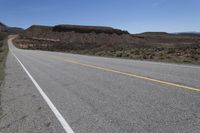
(129, 74)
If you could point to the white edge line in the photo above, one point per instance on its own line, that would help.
(62, 121)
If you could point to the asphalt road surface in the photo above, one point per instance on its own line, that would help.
(107, 95)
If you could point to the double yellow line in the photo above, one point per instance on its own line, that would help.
(130, 74)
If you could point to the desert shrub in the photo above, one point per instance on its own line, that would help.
(194, 57)
(168, 57)
(3, 35)
(125, 54)
(136, 52)
(151, 56)
(118, 54)
(171, 50)
(161, 54)
(144, 57)
(1, 43)
(187, 60)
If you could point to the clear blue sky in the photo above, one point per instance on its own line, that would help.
(132, 15)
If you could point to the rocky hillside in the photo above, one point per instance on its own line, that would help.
(107, 41)
(88, 29)
(91, 35)
(70, 34)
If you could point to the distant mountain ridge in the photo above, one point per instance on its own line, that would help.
(77, 29)
(5, 28)
(1, 24)
(194, 34)
(154, 33)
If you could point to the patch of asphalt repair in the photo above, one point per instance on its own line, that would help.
(23, 110)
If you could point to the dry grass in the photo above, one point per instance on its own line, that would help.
(189, 55)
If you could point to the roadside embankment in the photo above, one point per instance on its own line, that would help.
(3, 54)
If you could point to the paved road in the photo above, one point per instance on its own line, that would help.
(106, 95)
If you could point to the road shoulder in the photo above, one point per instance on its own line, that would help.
(23, 109)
